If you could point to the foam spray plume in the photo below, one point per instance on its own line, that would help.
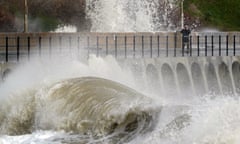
(132, 16)
(80, 101)
(101, 100)
(69, 101)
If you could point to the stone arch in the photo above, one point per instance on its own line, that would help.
(212, 80)
(198, 80)
(184, 80)
(138, 74)
(169, 82)
(236, 75)
(225, 79)
(152, 77)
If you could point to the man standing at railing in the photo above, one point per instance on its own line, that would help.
(185, 37)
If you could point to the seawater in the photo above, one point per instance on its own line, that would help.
(199, 120)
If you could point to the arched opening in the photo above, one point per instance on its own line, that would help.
(225, 79)
(198, 79)
(169, 83)
(212, 81)
(184, 80)
(236, 75)
(152, 78)
(138, 72)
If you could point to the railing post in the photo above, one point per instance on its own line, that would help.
(142, 46)
(190, 45)
(212, 40)
(29, 45)
(18, 47)
(167, 45)
(183, 47)
(206, 46)
(106, 45)
(97, 46)
(6, 40)
(40, 45)
(134, 46)
(227, 45)
(125, 46)
(198, 46)
(220, 45)
(151, 52)
(158, 45)
(175, 44)
(234, 45)
(115, 37)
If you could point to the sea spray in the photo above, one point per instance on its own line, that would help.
(54, 99)
(86, 106)
(132, 16)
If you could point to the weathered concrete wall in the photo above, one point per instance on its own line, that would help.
(189, 75)
(186, 76)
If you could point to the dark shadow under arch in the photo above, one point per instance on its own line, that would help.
(153, 78)
(184, 80)
(198, 79)
(236, 75)
(138, 72)
(212, 81)
(225, 79)
(169, 82)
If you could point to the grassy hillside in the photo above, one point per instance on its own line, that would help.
(223, 14)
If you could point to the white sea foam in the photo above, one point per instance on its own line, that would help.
(200, 120)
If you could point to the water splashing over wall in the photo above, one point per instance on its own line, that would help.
(132, 16)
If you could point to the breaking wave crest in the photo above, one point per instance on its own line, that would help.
(87, 106)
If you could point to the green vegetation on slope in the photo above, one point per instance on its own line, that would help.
(223, 14)
(46, 15)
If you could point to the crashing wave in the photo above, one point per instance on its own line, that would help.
(89, 106)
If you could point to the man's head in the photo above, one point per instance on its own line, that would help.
(186, 26)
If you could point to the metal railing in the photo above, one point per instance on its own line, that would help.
(17, 47)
